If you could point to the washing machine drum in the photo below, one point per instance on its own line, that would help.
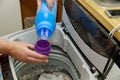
(59, 67)
(65, 61)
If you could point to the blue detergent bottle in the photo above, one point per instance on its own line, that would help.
(45, 21)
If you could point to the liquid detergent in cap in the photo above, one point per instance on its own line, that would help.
(45, 21)
(42, 47)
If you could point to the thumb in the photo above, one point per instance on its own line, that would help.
(30, 46)
(39, 4)
(50, 3)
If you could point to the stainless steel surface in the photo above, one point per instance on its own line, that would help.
(108, 3)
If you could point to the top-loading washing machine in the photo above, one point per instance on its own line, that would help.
(81, 50)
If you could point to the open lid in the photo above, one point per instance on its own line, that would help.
(88, 34)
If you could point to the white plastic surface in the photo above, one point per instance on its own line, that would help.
(61, 40)
(10, 16)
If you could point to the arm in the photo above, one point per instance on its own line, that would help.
(21, 51)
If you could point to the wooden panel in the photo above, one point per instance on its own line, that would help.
(59, 11)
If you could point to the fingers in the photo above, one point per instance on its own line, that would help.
(34, 56)
(30, 46)
(37, 55)
(50, 3)
(35, 60)
(39, 4)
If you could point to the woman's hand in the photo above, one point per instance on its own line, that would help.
(49, 3)
(25, 52)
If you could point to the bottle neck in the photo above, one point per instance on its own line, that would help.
(44, 34)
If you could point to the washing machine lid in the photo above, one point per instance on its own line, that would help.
(90, 37)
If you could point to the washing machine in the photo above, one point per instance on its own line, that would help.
(81, 50)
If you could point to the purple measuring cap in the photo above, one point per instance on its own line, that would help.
(42, 47)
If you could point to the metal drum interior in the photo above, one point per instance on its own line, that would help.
(58, 62)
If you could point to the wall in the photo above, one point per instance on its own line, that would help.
(10, 16)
